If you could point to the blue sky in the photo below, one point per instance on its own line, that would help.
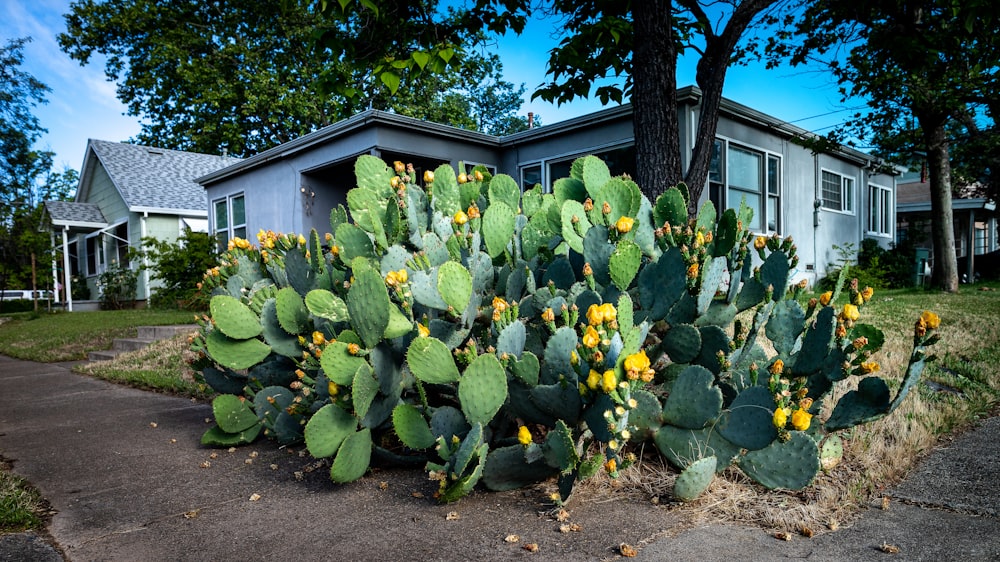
(82, 103)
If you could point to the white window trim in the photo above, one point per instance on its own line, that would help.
(100, 259)
(541, 172)
(892, 218)
(854, 199)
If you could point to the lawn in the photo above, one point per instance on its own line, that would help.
(68, 336)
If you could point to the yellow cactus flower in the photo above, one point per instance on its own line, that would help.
(548, 315)
(800, 420)
(473, 211)
(869, 367)
(777, 367)
(636, 364)
(478, 175)
(318, 338)
(931, 320)
(463, 178)
(699, 239)
(428, 177)
(593, 380)
(353, 348)
(587, 270)
(595, 315)
(609, 312)
(460, 218)
(573, 358)
(402, 276)
(524, 435)
(391, 279)
(824, 299)
(302, 240)
(499, 304)
(609, 381)
(394, 182)
(332, 388)
(423, 331)
(591, 338)
(850, 313)
(759, 243)
(780, 418)
(611, 466)
(399, 167)
(624, 224)
(859, 342)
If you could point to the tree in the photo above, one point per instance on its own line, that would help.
(20, 164)
(636, 43)
(924, 63)
(209, 75)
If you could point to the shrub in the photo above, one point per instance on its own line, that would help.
(179, 267)
(80, 289)
(117, 285)
(506, 337)
(876, 267)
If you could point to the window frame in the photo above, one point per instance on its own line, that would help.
(880, 207)
(99, 253)
(847, 192)
(549, 178)
(721, 186)
(230, 228)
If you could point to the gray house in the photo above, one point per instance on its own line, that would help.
(126, 192)
(819, 199)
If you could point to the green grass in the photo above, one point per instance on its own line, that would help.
(68, 336)
(21, 505)
(161, 367)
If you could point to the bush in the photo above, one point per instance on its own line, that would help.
(117, 285)
(876, 267)
(80, 290)
(179, 266)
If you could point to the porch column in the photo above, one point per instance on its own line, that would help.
(55, 266)
(67, 278)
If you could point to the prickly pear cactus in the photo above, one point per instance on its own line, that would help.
(501, 337)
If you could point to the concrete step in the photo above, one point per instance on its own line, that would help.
(146, 336)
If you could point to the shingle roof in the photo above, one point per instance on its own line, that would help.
(67, 213)
(156, 178)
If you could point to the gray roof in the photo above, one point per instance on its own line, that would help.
(155, 178)
(67, 213)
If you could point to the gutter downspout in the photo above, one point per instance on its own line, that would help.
(67, 278)
(971, 247)
(816, 206)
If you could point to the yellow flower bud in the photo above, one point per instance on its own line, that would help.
(593, 380)
(318, 338)
(548, 315)
(591, 338)
(524, 436)
(399, 167)
(460, 218)
(353, 348)
(302, 240)
(692, 270)
(850, 313)
(463, 178)
(587, 270)
(759, 243)
(780, 418)
(473, 211)
(423, 331)
(609, 381)
(868, 293)
(777, 367)
(428, 177)
(824, 299)
(332, 388)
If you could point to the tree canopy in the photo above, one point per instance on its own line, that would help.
(245, 76)
(20, 163)
(923, 67)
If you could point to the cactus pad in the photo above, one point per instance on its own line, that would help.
(694, 400)
(748, 422)
(498, 228)
(454, 283)
(291, 311)
(623, 263)
(236, 354)
(411, 427)
(791, 465)
(431, 361)
(327, 429)
(233, 413)
(368, 304)
(868, 403)
(353, 457)
(324, 304)
(233, 318)
(482, 389)
(339, 364)
(695, 479)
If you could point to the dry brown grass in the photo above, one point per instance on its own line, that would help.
(877, 455)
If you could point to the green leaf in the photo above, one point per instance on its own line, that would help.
(420, 58)
(391, 80)
(234, 318)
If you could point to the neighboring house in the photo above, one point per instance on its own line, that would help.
(821, 200)
(974, 221)
(126, 192)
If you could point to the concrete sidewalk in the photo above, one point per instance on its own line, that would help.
(128, 479)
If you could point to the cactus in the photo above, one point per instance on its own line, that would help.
(694, 400)
(791, 464)
(695, 479)
(398, 327)
(482, 389)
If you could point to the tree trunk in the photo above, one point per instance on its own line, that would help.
(945, 275)
(658, 163)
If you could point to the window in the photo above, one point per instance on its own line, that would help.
(230, 220)
(619, 161)
(121, 244)
(95, 254)
(531, 175)
(739, 174)
(837, 192)
(879, 210)
(469, 167)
